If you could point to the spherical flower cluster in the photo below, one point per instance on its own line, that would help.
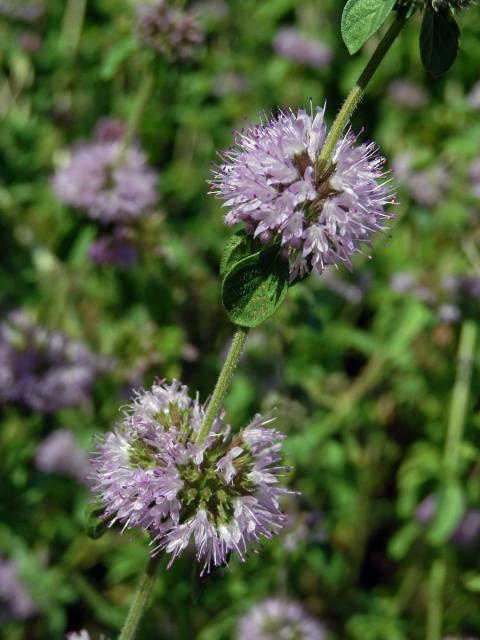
(110, 183)
(271, 182)
(169, 31)
(43, 369)
(15, 601)
(221, 494)
(293, 45)
(279, 619)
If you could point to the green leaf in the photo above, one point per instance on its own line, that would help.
(117, 56)
(95, 526)
(451, 505)
(238, 247)
(361, 19)
(255, 287)
(439, 40)
(472, 582)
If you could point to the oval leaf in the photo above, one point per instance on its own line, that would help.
(450, 509)
(439, 41)
(238, 247)
(361, 19)
(255, 287)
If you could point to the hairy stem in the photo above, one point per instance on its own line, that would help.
(140, 600)
(355, 95)
(223, 382)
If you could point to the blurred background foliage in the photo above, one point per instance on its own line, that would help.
(359, 367)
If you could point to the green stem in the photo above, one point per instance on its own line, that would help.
(72, 26)
(451, 460)
(141, 100)
(355, 95)
(140, 600)
(438, 574)
(459, 403)
(223, 382)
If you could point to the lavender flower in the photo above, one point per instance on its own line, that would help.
(60, 453)
(169, 31)
(110, 183)
(270, 181)
(15, 601)
(43, 369)
(80, 635)
(407, 94)
(115, 248)
(279, 619)
(291, 44)
(220, 494)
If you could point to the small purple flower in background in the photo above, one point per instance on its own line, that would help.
(80, 635)
(279, 619)
(110, 183)
(407, 94)
(271, 182)
(15, 601)
(115, 248)
(291, 44)
(403, 282)
(302, 527)
(426, 186)
(60, 453)
(43, 369)
(473, 97)
(170, 31)
(467, 531)
(221, 494)
(474, 174)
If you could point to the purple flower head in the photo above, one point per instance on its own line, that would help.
(110, 183)
(407, 94)
(115, 248)
(291, 44)
(271, 182)
(43, 369)
(221, 495)
(170, 31)
(279, 619)
(60, 453)
(15, 601)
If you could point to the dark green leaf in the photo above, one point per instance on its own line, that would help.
(255, 287)
(361, 19)
(95, 526)
(238, 247)
(439, 40)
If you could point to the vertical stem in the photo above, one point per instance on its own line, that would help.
(140, 600)
(223, 382)
(459, 403)
(356, 94)
(451, 459)
(72, 26)
(141, 100)
(438, 574)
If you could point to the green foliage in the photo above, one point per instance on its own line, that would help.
(361, 19)
(255, 286)
(439, 40)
